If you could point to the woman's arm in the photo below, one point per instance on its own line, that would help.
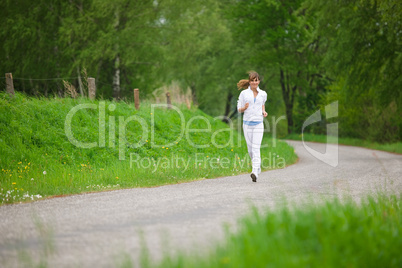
(240, 103)
(264, 113)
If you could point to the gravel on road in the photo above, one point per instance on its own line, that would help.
(100, 229)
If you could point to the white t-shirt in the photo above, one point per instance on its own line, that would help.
(254, 110)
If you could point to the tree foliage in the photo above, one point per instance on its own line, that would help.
(308, 52)
(361, 40)
(275, 35)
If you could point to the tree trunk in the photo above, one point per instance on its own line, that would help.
(116, 79)
(227, 107)
(80, 82)
(116, 76)
(288, 94)
(228, 102)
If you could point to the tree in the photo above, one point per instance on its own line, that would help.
(113, 40)
(124, 45)
(275, 37)
(362, 44)
(30, 33)
(196, 36)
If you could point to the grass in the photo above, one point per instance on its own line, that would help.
(390, 147)
(332, 234)
(114, 146)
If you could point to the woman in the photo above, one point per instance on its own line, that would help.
(252, 102)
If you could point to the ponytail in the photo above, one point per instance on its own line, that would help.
(243, 84)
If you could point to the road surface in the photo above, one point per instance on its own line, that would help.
(101, 229)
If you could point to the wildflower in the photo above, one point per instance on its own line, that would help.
(32, 179)
(167, 148)
(44, 172)
(232, 150)
(14, 183)
(117, 178)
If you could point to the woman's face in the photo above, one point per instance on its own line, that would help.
(254, 83)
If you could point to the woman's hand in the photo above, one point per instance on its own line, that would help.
(264, 113)
(241, 110)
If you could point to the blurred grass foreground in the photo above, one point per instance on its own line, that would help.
(334, 233)
(60, 146)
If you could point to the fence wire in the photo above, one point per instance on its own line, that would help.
(42, 86)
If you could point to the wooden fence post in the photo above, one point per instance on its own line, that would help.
(10, 84)
(137, 98)
(91, 88)
(188, 103)
(169, 103)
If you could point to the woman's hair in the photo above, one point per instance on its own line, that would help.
(244, 83)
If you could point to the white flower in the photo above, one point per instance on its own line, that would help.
(32, 179)
(44, 172)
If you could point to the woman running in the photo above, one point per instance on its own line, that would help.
(252, 103)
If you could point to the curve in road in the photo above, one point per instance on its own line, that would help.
(98, 229)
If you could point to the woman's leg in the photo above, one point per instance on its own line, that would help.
(248, 135)
(257, 134)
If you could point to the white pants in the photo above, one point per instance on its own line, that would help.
(253, 135)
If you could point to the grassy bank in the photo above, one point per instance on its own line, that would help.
(390, 147)
(51, 147)
(334, 234)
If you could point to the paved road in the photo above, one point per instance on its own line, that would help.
(99, 229)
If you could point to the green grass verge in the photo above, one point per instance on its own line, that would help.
(390, 147)
(332, 234)
(129, 148)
